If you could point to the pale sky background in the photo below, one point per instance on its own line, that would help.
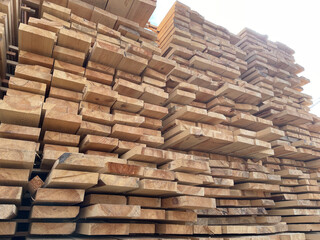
(292, 22)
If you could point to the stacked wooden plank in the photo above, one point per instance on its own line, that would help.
(271, 65)
(205, 92)
(213, 114)
(17, 157)
(100, 93)
(104, 134)
(93, 9)
(21, 111)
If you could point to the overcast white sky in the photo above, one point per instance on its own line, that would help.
(295, 23)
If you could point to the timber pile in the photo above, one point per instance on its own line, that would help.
(214, 113)
(272, 66)
(84, 93)
(106, 134)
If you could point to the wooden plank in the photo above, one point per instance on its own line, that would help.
(10, 194)
(20, 111)
(153, 95)
(303, 227)
(135, 15)
(34, 184)
(65, 94)
(106, 53)
(190, 166)
(100, 68)
(136, 228)
(99, 94)
(115, 184)
(127, 119)
(145, 201)
(63, 122)
(153, 111)
(174, 229)
(74, 40)
(14, 177)
(98, 77)
(35, 59)
(68, 55)
(200, 229)
(301, 219)
(294, 211)
(110, 211)
(120, 8)
(96, 116)
(45, 228)
(92, 229)
(67, 67)
(36, 40)
(124, 132)
(105, 199)
(68, 81)
(93, 129)
(7, 228)
(155, 187)
(12, 144)
(81, 9)
(52, 152)
(85, 162)
(98, 143)
(180, 216)
(56, 10)
(34, 73)
(127, 88)
(188, 202)
(132, 63)
(59, 178)
(104, 17)
(53, 18)
(45, 24)
(107, 31)
(145, 155)
(19, 132)
(54, 212)
(84, 29)
(56, 196)
(60, 105)
(8, 211)
(128, 104)
(257, 186)
(27, 85)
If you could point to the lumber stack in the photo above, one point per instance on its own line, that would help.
(99, 86)
(272, 66)
(207, 98)
(94, 10)
(215, 112)
(110, 130)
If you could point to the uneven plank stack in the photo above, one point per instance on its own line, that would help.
(211, 113)
(97, 92)
(296, 154)
(206, 80)
(106, 133)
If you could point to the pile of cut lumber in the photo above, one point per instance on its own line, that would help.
(112, 128)
(212, 113)
(271, 65)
